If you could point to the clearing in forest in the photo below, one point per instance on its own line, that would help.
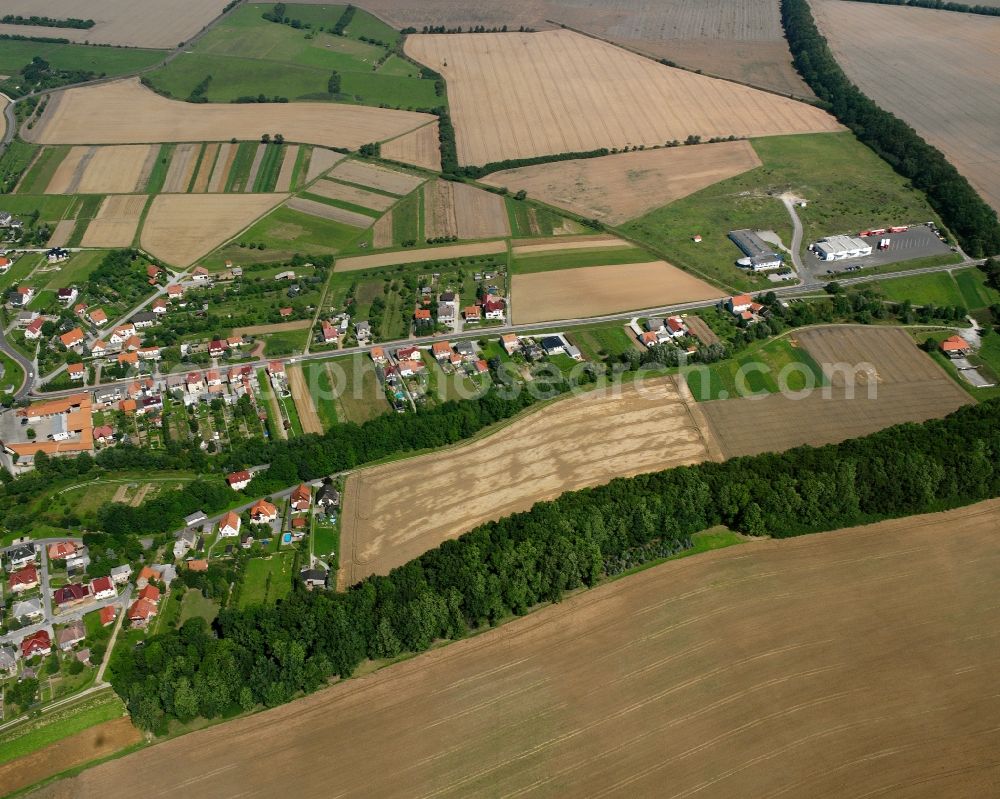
(523, 95)
(616, 188)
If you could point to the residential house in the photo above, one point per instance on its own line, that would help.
(76, 371)
(128, 406)
(159, 306)
(103, 588)
(194, 382)
(263, 512)
(246, 540)
(98, 317)
(422, 316)
(313, 578)
(185, 542)
(299, 527)
(446, 313)
(27, 610)
(554, 345)
(104, 434)
(132, 344)
(8, 661)
(70, 594)
(20, 555)
(410, 368)
(25, 318)
(70, 636)
(74, 338)
(363, 331)
(239, 480)
(328, 496)
(955, 347)
(150, 593)
(328, 333)
(56, 255)
(80, 309)
(140, 612)
(301, 499)
(5, 264)
(481, 367)
(67, 296)
(197, 565)
(121, 574)
(128, 359)
(510, 342)
(108, 614)
(23, 579)
(441, 350)
(378, 356)
(407, 354)
(466, 349)
(122, 333)
(276, 369)
(285, 312)
(494, 310)
(61, 550)
(229, 526)
(739, 304)
(201, 275)
(217, 348)
(152, 271)
(650, 338)
(175, 292)
(98, 349)
(36, 644)
(146, 574)
(33, 331)
(144, 319)
(78, 561)
(195, 518)
(471, 313)
(21, 296)
(675, 327)
(151, 353)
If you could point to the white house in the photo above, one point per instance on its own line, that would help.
(738, 304)
(229, 527)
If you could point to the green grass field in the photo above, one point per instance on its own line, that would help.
(240, 171)
(938, 288)
(20, 270)
(51, 207)
(572, 259)
(195, 604)
(528, 220)
(159, 174)
(287, 343)
(285, 232)
(107, 61)
(247, 56)
(77, 269)
(406, 219)
(769, 368)
(848, 188)
(358, 209)
(36, 179)
(87, 209)
(602, 341)
(270, 165)
(360, 396)
(326, 540)
(266, 580)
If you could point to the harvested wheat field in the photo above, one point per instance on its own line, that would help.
(180, 228)
(95, 742)
(539, 246)
(382, 232)
(738, 39)
(284, 181)
(67, 175)
(102, 170)
(303, 400)
(181, 168)
(860, 661)
(416, 256)
(131, 113)
(324, 211)
(893, 382)
(937, 70)
(419, 148)
(333, 190)
(116, 221)
(376, 177)
(206, 168)
(163, 24)
(320, 161)
(223, 163)
(396, 512)
(597, 290)
(457, 209)
(63, 230)
(521, 95)
(616, 188)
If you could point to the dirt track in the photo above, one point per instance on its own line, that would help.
(395, 512)
(856, 662)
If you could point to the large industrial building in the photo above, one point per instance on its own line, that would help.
(759, 256)
(837, 248)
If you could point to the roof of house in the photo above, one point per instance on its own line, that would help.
(26, 576)
(422, 313)
(263, 508)
(954, 344)
(99, 584)
(61, 549)
(741, 299)
(241, 476)
(231, 520)
(441, 347)
(150, 592)
(148, 573)
(302, 492)
(104, 431)
(75, 368)
(299, 521)
(71, 634)
(38, 640)
(276, 367)
(141, 610)
(74, 336)
(70, 593)
(198, 565)
(128, 357)
(127, 405)
(108, 613)
(98, 315)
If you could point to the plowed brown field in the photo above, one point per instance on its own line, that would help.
(223, 163)
(395, 512)
(206, 168)
(116, 221)
(620, 187)
(937, 70)
(114, 170)
(597, 290)
(131, 113)
(181, 168)
(906, 386)
(67, 175)
(520, 95)
(420, 148)
(321, 160)
(382, 232)
(180, 228)
(284, 182)
(457, 209)
(860, 661)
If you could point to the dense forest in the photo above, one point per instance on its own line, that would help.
(267, 655)
(962, 209)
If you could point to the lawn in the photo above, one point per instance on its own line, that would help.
(195, 604)
(288, 343)
(326, 540)
(571, 259)
(76, 270)
(19, 271)
(775, 366)
(975, 293)
(36, 180)
(248, 56)
(848, 188)
(13, 374)
(266, 580)
(361, 396)
(54, 726)
(936, 288)
(600, 341)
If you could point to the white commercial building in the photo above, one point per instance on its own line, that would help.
(837, 248)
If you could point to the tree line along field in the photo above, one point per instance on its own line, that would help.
(847, 186)
(248, 56)
(593, 95)
(933, 70)
(682, 690)
(108, 61)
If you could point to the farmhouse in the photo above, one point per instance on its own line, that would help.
(759, 256)
(955, 347)
(229, 526)
(837, 248)
(36, 644)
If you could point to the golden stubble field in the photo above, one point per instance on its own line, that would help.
(131, 113)
(520, 95)
(419, 148)
(416, 256)
(394, 513)
(457, 209)
(596, 290)
(907, 387)
(163, 24)
(181, 228)
(937, 70)
(116, 222)
(860, 661)
(616, 188)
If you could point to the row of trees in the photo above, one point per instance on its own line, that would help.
(267, 655)
(972, 220)
(47, 22)
(941, 5)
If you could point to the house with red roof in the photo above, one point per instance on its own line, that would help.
(76, 371)
(23, 579)
(61, 550)
(98, 317)
(39, 643)
(276, 368)
(217, 348)
(102, 588)
(422, 315)
(70, 594)
(955, 347)
(150, 592)
(147, 573)
(494, 309)
(159, 306)
(229, 526)
(104, 434)
(738, 304)
(239, 480)
(108, 614)
(301, 499)
(140, 612)
(33, 331)
(176, 291)
(263, 512)
(73, 338)
(441, 350)
(201, 275)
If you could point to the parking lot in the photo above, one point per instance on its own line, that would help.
(917, 242)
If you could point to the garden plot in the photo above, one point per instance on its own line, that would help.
(131, 113)
(116, 221)
(523, 95)
(616, 188)
(180, 228)
(376, 177)
(324, 211)
(419, 148)
(598, 290)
